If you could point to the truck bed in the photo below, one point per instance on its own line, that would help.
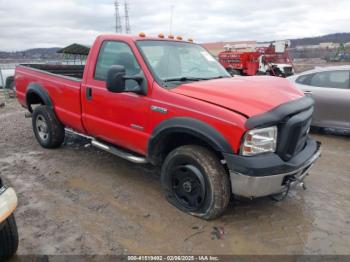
(74, 71)
(62, 82)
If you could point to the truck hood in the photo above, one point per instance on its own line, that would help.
(249, 95)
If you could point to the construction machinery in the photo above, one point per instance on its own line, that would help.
(341, 55)
(260, 59)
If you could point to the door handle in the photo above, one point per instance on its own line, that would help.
(307, 92)
(88, 93)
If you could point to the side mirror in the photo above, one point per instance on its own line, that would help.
(116, 79)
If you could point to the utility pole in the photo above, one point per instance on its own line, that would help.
(126, 13)
(118, 23)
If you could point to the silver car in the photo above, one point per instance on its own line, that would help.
(330, 88)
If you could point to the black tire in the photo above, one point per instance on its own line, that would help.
(207, 181)
(8, 238)
(54, 131)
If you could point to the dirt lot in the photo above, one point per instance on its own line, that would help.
(79, 200)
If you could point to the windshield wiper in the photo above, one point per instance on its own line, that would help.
(215, 77)
(183, 79)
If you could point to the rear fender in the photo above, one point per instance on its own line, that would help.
(35, 90)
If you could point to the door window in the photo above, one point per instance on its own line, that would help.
(115, 53)
(304, 79)
(331, 79)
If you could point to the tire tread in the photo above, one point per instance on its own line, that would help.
(8, 238)
(55, 127)
(217, 177)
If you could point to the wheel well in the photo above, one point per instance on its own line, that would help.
(174, 140)
(34, 98)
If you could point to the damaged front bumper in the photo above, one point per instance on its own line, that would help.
(268, 174)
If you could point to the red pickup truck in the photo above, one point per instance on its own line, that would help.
(168, 102)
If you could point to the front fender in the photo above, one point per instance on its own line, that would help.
(191, 126)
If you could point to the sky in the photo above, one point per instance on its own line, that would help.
(28, 24)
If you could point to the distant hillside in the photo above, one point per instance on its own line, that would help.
(335, 38)
(51, 53)
(34, 53)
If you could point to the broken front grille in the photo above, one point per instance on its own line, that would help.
(293, 133)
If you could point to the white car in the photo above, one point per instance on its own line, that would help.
(330, 88)
(8, 227)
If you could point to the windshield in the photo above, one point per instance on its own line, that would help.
(175, 62)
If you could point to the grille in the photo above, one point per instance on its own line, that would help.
(293, 133)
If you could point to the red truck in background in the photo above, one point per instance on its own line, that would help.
(170, 103)
(261, 60)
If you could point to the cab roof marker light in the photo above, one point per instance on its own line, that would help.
(142, 34)
(161, 35)
(190, 40)
(179, 38)
(170, 36)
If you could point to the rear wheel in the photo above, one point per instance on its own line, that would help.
(195, 181)
(8, 238)
(47, 129)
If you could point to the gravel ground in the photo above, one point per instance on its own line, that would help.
(79, 200)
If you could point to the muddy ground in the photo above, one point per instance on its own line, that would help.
(80, 200)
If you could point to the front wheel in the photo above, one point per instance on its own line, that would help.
(8, 238)
(195, 181)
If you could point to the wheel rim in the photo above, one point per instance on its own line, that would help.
(42, 128)
(188, 186)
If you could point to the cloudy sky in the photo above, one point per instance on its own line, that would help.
(48, 23)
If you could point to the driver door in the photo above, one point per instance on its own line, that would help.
(118, 118)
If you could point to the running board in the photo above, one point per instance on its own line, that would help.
(111, 149)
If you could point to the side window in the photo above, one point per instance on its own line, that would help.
(319, 79)
(115, 53)
(331, 79)
(339, 79)
(304, 79)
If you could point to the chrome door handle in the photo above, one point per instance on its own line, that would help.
(308, 92)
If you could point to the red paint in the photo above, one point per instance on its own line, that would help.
(247, 62)
(109, 116)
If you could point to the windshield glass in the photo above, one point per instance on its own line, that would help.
(175, 62)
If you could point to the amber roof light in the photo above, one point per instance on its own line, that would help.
(170, 36)
(161, 35)
(142, 34)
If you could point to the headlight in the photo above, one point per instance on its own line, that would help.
(257, 141)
